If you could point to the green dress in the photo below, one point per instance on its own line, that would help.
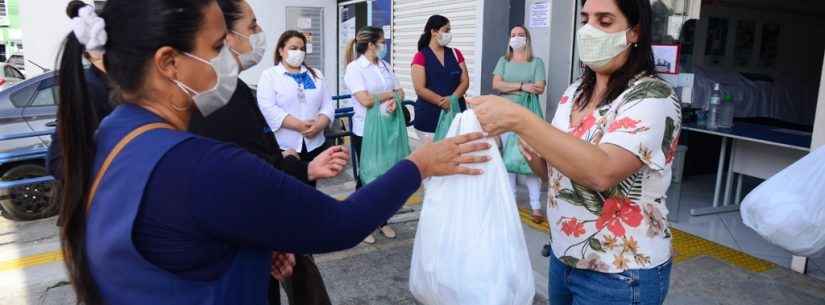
(529, 72)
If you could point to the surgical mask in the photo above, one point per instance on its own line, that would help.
(518, 42)
(226, 69)
(258, 43)
(381, 50)
(444, 39)
(295, 58)
(597, 48)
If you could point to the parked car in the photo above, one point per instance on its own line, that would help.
(17, 61)
(27, 106)
(10, 75)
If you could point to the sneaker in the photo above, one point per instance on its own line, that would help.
(388, 232)
(369, 240)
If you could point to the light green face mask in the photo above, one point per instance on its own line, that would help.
(597, 48)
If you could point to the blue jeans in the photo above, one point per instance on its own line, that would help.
(571, 286)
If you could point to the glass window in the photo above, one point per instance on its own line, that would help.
(11, 72)
(45, 97)
(22, 97)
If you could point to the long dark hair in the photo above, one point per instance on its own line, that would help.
(435, 23)
(358, 46)
(285, 37)
(640, 61)
(135, 30)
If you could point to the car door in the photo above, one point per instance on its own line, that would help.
(41, 112)
(11, 116)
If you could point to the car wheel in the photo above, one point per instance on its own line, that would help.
(28, 202)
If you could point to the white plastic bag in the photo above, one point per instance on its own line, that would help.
(470, 248)
(789, 208)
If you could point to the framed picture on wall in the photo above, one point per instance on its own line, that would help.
(745, 41)
(769, 52)
(717, 38)
(666, 58)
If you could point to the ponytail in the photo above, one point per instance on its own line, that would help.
(358, 46)
(76, 124)
(424, 41)
(350, 54)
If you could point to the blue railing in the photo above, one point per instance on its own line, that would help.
(40, 152)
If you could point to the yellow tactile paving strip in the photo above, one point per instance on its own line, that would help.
(55, 256)
(687, 246)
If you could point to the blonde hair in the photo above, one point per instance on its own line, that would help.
(358, 46)
(528, 49)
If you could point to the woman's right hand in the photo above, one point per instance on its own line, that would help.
(498, 115)
(446, 157)
(444, 103)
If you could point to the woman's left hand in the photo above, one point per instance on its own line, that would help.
(329, 163)
(498, 115)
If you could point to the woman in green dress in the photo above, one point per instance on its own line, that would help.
(521, 77)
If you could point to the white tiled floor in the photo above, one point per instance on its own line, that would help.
(728, 229)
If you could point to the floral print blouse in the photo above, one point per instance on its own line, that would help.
(626, 227)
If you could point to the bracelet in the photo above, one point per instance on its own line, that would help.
(521, 86)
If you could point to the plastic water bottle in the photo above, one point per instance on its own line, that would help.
(713, 109)
(725, 114)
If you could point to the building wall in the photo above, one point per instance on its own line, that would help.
(541, 49)
(11, 34)
(45, 25)
(495, 40)
(560, 54)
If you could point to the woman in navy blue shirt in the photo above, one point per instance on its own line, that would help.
(438, 72)
(156, 215)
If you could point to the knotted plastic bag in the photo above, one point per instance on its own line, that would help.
(446, 119)
(788, 209)
(469, 248)
(385, 141)
(513, 159)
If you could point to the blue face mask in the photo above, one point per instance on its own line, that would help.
(382, 50)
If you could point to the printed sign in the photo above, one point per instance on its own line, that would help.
(539, 14)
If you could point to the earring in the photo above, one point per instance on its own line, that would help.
(635, 45)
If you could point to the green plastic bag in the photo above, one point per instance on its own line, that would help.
(385, 141)
(446, 119)
(513, 159)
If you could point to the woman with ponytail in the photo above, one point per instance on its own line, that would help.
(438, 73)
(153, 214)
(370, 79)
(97, 89)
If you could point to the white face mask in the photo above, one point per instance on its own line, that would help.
(444, 39)
(295, 58)
(518, 42)
(258, 43)
(226, 69)
(597, 48)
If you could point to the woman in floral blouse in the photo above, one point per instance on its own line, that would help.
(607, 157)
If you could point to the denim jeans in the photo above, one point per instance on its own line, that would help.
(570, 286)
